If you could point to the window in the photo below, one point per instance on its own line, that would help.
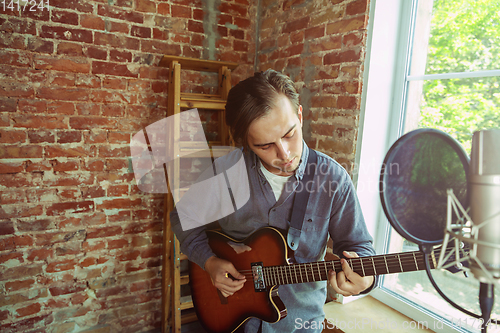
(431, 64)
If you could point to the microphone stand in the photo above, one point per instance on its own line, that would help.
(486, 300)
(486, 296)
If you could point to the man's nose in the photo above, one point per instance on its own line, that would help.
(283, 151)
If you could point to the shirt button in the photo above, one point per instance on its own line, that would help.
(293, 244)
(310, 220)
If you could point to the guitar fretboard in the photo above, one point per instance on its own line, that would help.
(365, 266)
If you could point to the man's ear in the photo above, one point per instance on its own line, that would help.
(299, 114)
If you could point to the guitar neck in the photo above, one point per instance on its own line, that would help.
(365, 266)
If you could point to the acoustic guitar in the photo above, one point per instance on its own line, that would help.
(267, 262)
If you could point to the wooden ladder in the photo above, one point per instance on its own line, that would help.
(172, 302)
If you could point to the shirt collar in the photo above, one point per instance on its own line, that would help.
(299, 173)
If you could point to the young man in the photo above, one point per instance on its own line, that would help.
(265, 118)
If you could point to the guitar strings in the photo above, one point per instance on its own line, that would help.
(391, 263)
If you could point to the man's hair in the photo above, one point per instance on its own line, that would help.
(253, 98)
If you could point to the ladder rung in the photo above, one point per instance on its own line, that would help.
(200, 97)
(188, 318)
(184, 279)
(186, 302)
(206, 104)
(197, 64)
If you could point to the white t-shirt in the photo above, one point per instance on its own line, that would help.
(277, 182)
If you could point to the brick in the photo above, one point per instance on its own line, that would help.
(70, 207)
(12, 136)
(241, 46)
(64, 65)
(69, 288)
(8, 104)
(70, 49)
(16, 151)
(103, 232)
(96, 53)
(64, 108)
(195, 26)
(65, 166)
(107, 68)
(92, 123)
(9, 41)
(234, 9)
(64, 94)
(152, 252)
(73, 5)
(299, 24)
(92, 22)
(22, 272)
(8, 256)
(326, 44)
(86, 81)
(112, 26)
(75, 35)
(11, 167)
(117, 41)
(357, 7)
(352, 40)
(141, 32)
(69, 136)
(15, 58)
(39, 45)
(7, 228)
(28, 324)
(146, 6)
(346, 25)
(120, 56)
(19, 26)
(348, 102)
(238, 34)
(40, 254)
(28, 310)
(41, 136)
(51, 238)
(96, 165)
(336, 146)
(315, 32)
(20, 180)
(163, 8)
(324, 101)
(112, 110)
(15, 89)
(29, 121)
(73, 179)
(117, 13)
(293, 50)
(119, 204)
(63, 16)
(137, 228)
(182, 11)
(34, 225)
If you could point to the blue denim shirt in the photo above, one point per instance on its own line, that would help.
(333, 210)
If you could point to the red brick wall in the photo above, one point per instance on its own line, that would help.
(80, 245)
(321, 45)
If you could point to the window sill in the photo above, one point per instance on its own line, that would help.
(368, 314)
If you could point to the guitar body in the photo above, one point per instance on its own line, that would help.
(220, 314)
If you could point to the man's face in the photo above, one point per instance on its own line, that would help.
(276, 138)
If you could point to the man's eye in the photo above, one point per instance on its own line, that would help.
(266, 147)
(290, 135)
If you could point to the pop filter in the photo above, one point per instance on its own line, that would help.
(417, 172)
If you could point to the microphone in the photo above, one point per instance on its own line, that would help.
(484, 190)
(484, 195)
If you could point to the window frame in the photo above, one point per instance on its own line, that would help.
(382, 122)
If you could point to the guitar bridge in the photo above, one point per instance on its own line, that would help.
(258, 277)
